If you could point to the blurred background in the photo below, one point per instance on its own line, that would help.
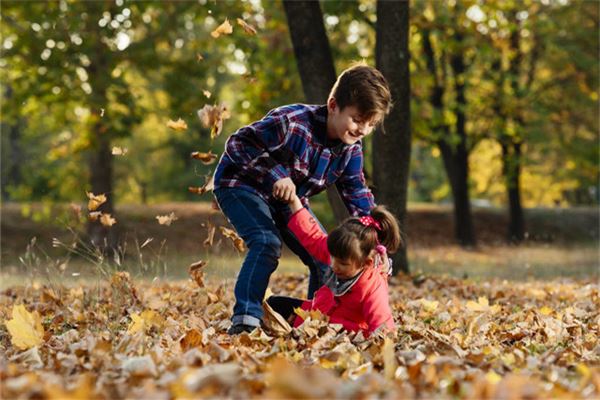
(506, 90)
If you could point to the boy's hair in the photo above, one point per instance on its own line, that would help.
(354, 241)
(365, 88)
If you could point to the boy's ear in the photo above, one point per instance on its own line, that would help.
(331, 104)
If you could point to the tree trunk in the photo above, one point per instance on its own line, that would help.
(315, 65)
(455, 157)
(511, 166)
(463, 223)
(15, 154)
(391, 151)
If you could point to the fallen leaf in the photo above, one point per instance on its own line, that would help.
(192, 338)
(96, 200)
(224, 29)
(205, 158)
(166, 219)
(144, 321)
(179, 125)
(25, 328)
(249, 29)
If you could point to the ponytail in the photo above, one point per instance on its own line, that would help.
(389, 232)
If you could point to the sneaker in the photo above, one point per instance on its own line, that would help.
(240, 328)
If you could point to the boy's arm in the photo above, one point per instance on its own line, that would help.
(304, 226)
(256, 148)
(352, 186)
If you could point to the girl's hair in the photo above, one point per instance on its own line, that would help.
(354, 241)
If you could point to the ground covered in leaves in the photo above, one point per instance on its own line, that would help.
(157, 340)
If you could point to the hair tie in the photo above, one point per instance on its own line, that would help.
(368, 220)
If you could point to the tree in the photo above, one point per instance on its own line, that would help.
(391, 146)
(315, 64)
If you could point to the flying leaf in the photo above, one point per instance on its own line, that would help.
(107, 220)
(207, 94)
(94, 215)
(211, 235)
(205, 158)
(195, 271)
(199, 57)
(212, 117)
(96, 200)
(207, 187)
(224, 29)
(232, 235)
(178, 125)
(25, 328)
(119, 151)
(249, 29)
(166, 219)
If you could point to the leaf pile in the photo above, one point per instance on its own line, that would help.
(454, 338)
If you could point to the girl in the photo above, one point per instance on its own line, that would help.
(356, 295)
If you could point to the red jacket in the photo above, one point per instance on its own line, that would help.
(365, 306)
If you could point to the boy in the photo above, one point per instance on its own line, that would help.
(295, 149)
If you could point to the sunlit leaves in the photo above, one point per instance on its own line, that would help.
(107, 220)
(25, 328)
(224, 29)
(232, 235)
(179, 125)
(119, 151)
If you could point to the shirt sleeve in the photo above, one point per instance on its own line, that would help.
(257, 149)
(352, 186)
(305, 227)
(376, 307)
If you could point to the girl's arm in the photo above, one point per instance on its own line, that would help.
(376, 307)
(308, 231)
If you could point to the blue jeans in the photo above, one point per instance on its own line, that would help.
(263, 228)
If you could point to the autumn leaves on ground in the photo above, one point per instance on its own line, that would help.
(122, 338)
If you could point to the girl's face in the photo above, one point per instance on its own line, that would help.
(345, 269)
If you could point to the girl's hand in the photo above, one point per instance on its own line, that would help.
(295, 204)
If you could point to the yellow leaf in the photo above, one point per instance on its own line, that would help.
(25, 328)
(144, 321)
(206, 93)
(493, 377)
(545, 310)
(178, 125)
(166, 219)
(390, 364)
(224, 29)
(429, 306)
(96, 200)
(249, 29)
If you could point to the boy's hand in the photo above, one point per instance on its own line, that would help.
(284, 190)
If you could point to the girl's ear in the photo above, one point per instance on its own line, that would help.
(369, 261)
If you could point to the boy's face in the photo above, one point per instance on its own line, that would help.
(347, 125)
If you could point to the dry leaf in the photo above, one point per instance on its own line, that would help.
(224, 29)
(94, 215)
(179, 125)
(207, 187)
(199, 57)
(274, 322)
(212, 117)
(249, 29)
(207, 94)
(166, 219)
(118, 151)
(96, 200)
(211, 235)
(25, 328)
(195, 271)
(144, 321)
(232, 235)
(107, 220)
(192, 338)
(205, 158)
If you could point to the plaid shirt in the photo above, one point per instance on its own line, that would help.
(291, 141)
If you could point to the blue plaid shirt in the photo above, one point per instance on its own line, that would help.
(291, 141)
